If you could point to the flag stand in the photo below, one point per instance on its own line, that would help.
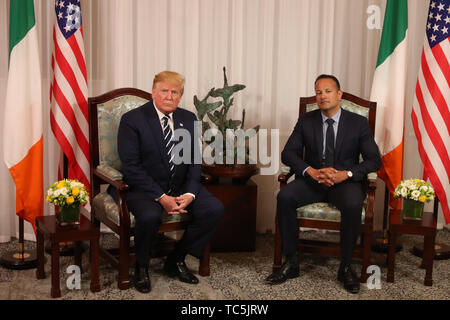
(21, 259)
(441, 251)
(380, 244)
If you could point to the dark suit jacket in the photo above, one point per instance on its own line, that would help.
(353, 138)
(145, 164)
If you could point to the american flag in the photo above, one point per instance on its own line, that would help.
(69, 90)
(430, 115)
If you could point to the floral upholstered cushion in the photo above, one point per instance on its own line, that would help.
(105, 204)
(322, 211)
(285, 169)
(109, 115)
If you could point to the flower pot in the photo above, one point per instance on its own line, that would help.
(412, 208)
(68, 216)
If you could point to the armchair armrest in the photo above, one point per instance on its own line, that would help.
(111, 176)
(114, 177)
(372, 185)
(372, 179)
(110, 172)
(285, 174)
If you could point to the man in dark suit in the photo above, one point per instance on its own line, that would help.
(157, 183)
(330, 171)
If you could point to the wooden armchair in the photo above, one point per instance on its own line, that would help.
(105, 112)
(324, 215)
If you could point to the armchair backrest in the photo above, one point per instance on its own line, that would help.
(105, 112)
(349, 102)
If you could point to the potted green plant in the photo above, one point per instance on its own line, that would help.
(214, 114)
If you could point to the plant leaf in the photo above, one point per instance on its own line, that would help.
(205, 126)
(233, 124)
(215, 118)
(204, 107)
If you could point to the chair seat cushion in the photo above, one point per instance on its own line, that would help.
(322, 211)
(103, 203)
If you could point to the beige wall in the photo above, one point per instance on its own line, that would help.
(275, 47)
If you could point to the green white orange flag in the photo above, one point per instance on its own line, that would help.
(22, 134)
(388, 90)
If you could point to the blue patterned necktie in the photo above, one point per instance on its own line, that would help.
(169, 143)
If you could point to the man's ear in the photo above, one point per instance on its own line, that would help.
(340, 92)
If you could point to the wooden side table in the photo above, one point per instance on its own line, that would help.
(425, 227)
(48, 228)
(237, 230)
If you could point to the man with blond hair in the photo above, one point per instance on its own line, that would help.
(158, 184)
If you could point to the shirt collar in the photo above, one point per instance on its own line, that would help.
(162, 115)
(335, 117)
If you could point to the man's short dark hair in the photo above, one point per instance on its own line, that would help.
(329, 76)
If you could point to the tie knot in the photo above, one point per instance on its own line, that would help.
(165, 120)
(330, 121)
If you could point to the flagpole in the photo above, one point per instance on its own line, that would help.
(391, 68)
(23, 97)
(21, 259)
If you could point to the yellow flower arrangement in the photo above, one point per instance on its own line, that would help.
(67, 193)
(415, 189)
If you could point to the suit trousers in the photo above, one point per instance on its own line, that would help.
(347, 196)
(206, 212)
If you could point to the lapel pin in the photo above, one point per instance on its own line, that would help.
(181, 124)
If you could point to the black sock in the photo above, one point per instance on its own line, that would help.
(139, 266)
(292, 258)
(177, 255)
(344, 264)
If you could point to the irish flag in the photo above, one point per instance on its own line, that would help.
(388, 90)
(22, 134)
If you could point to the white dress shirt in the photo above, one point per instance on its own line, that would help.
(161, 121)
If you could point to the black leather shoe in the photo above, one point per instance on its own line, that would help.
(142, 280)
(348, 277)
(180, 270)
(287, 271)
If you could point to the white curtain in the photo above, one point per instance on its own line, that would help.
(275, 47)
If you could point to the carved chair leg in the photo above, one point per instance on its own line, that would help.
(428, 255)
(366, 238)
(204, 269)
(391, 257)
(124, 259)
(94, 220)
